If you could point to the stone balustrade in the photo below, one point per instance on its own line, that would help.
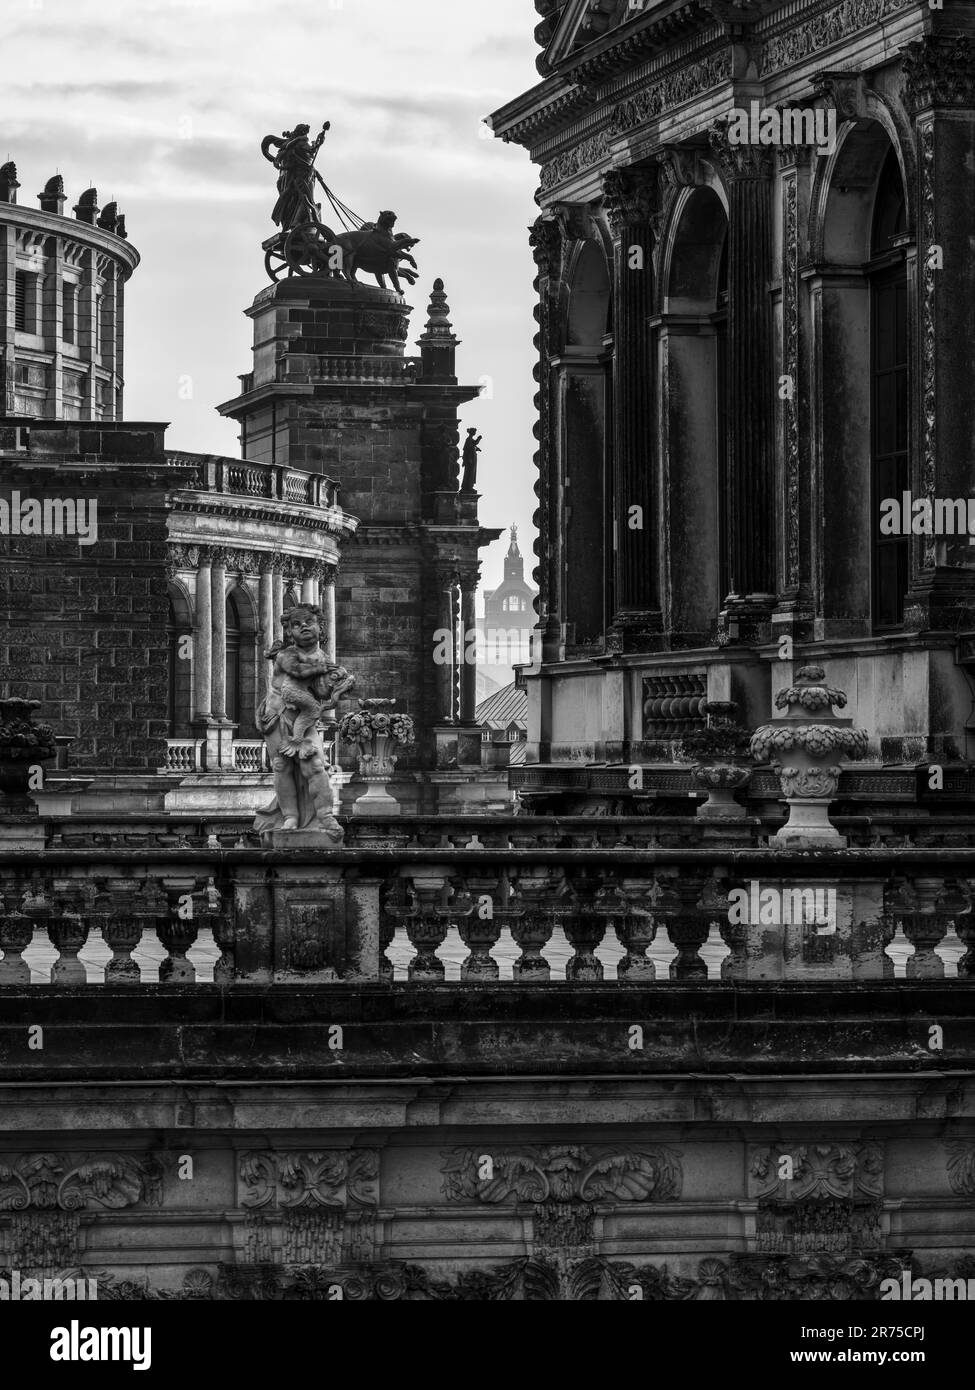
(246, 478)
(131, 913)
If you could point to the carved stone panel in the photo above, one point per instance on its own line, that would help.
(563, 1173)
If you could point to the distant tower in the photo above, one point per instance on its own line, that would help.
(63, 312)
(332, 391)
(509, 617)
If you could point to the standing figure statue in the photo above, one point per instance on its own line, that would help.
(472, 447)
(294, 158)
(304, 684)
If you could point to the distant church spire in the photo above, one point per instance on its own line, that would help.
(514, 565)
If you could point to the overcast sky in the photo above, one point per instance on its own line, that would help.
(162, 105)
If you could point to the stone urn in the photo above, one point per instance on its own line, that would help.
(23, 745)
(378, 731)
(805, 746)
(721, 760)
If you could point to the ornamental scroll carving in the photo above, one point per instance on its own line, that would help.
(563, 1173)
(324, 1204)
(961, 1167)
(270, 1181)
(824, 1198)
(55, 1182)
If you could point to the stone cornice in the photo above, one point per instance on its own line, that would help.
(329, 521)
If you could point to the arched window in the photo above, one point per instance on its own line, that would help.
(889, 391)
(694, 364)
(233, 661)
(179, 646)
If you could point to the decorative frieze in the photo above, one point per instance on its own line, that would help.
(563, 1173)
(812, 33)
(58, 1182)
(582, 156)
(336, 1178)
(682, 85)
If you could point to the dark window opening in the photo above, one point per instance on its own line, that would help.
(889, 396)
(69, 313)
(233, 661)
(721, 422)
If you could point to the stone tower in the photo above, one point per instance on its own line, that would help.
(333, 391)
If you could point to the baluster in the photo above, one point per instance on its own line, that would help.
(924, 929)
(68, 932)
(584, 924)
(175, 930)
(16, 934)
(479, 928)
(636, 928)
(114, 910)
(532, 926)
(39, 909)
(427, 928)
(215, 918)
(687, 926)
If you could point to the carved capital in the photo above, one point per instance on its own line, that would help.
(181, 557)
(221, 558)
(738, 161)
(545, 237)
(629, 196)
(846, 90)
(939, 70)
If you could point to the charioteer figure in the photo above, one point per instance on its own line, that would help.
(294, 157)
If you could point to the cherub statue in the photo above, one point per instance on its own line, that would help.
(304, 684)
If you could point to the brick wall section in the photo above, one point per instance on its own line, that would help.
(83, 627)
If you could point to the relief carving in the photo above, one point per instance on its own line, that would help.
(564, 1173)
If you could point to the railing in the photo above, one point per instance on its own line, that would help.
(306, 366)
(250, 755)
(129, 914)
(184, 754)
(245, 478)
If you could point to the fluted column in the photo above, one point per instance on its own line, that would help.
(940, 95)
(468, 669)
(446, 578)
(750, 499)
(265, 618)
(277, 589)
(309, 584)
(202, 639)
(218, 628)
(547, 242)
(628, 195)
(327, 590)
